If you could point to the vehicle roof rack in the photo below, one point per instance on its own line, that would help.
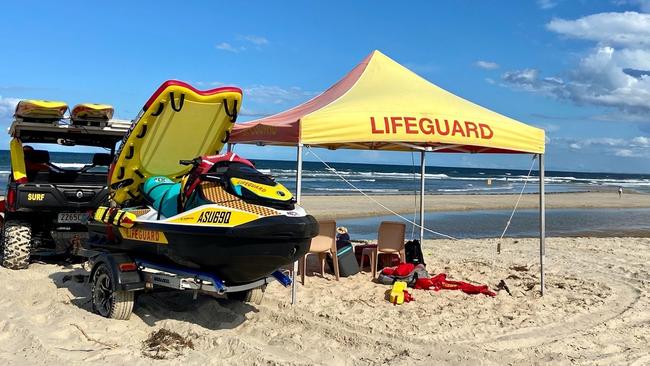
(105, 133)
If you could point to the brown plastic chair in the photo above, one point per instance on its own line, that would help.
(390, 240)
(323, 244)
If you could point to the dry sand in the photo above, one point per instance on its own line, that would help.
(336, 207)
(596, 311)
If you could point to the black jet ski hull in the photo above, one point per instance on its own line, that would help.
(239, 254)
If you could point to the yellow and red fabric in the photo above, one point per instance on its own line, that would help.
(382, 105)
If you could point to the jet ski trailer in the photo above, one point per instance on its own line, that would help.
(180, 215)
(116, 277)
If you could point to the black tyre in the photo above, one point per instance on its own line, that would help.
(16, 244)
(107, 302)
(255, 295)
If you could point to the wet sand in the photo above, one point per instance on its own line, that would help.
(336, 207)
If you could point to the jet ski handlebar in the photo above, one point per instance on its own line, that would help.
(194, 162)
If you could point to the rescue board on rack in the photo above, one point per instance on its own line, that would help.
(178, 122)
(41, 109)
(91, 111)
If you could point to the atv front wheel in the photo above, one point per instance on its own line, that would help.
(106, 301)
(16, 244)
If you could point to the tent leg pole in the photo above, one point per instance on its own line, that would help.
(229, 147)
(542, 223)
(422, 179)
(298, 197)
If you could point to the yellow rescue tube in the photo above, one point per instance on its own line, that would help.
(177, 123)
(114, 216)
(18, 161)
(397, 293)
(91, 111)
(46, 109)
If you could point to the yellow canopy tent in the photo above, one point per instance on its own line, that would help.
(381, 105)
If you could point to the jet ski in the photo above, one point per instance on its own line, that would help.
(174, 200)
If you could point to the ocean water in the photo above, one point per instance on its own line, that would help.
(403, 179)
(525, 223)
(400, 179)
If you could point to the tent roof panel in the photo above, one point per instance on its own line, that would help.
(382, 105)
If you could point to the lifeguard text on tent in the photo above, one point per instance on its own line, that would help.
(428, 126)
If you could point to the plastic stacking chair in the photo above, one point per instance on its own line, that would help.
(323, 244)
(390, 240)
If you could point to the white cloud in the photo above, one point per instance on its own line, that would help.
(550, 128)
(247, 112)
(626, 153)
(225, 46)
(628, 28)
(546, 4)
(264, 94)
(7, 106)
(614, 73)
(256, 40)
(488, 65)
(273, 94)
(635, 147)
(641, 141)
(209, 84)
(529, 80)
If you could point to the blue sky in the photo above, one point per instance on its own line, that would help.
(578, 69)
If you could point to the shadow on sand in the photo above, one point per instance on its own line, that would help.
(164, 304)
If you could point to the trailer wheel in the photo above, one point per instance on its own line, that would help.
(254, 296)
(16, 244)
(107, 302)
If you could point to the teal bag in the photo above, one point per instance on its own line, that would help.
(162, 194)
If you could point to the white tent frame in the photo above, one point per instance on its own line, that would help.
(423, 151)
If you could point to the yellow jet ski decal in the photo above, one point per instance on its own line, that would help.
(150, 236)
(177, 123)
(277, 192)
(215, 216)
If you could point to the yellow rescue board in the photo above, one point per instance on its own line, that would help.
(177, 123)
(40, 109)
(92, 111)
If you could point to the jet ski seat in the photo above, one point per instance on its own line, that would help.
(163, 195)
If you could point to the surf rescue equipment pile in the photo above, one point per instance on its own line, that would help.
(194, 208)
(417, 277)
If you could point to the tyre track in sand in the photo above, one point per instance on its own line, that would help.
(629, 295)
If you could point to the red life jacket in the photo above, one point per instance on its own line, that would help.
(207, 162)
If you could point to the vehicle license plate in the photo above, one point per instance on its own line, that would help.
(73, 218)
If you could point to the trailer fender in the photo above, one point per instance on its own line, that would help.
(127, 280)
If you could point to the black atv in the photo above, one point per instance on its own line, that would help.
(47, 204)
